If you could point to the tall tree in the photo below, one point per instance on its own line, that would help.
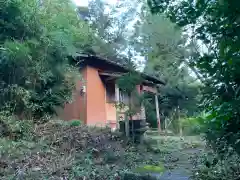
(36, 41)
(111, 26)
(163, 45)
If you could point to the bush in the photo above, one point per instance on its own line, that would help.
(212, 168)
(111, 157)
(15, 128)
(75, 123)
(193, 125)
(15, 148)
(150, 110)
(23, 128)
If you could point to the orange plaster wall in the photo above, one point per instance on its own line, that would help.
(96, 106)
(82, 105)
(77, 108)
(111, 112)
(70, 109)
(111, 115)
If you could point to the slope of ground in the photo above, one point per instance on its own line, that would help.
(56, 151)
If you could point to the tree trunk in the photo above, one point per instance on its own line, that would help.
(128, 117)
(127, 126)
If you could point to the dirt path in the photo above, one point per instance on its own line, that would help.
(178, 162)
(183, 166)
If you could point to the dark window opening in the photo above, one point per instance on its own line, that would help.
(110, 92)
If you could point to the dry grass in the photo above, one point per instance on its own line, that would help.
(60, 151)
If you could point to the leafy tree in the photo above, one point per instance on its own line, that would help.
(150, 110)
(216, 25)
(164, 47)
(127, 84)
(111, 28)
(36, 41)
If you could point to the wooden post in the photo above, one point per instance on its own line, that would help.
(157, 113)
(179, 122)
(116, 102)
(143, 113)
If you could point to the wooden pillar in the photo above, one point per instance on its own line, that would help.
(157, 113)
(179, 121)
(143, 113)
(117, 99)
(142, 108)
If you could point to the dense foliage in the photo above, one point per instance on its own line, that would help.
(215, 24)
(128, 85)
(36, 40)
(164, 48)
(208, 167)
(111, 38)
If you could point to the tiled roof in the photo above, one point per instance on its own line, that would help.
(88, 59)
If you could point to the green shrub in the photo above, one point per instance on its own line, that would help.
(75, 123)
(17, 129)
(24, 128)
(192, 126)
(150, 110)
(212, 168)
(15, 148)
(111, 157)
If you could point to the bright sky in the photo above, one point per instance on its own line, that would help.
(85, 2)
(81, 2)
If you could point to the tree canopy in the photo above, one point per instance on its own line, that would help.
(36, 41)
(111, 28)
(166, 53)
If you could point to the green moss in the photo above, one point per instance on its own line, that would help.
(151, 169)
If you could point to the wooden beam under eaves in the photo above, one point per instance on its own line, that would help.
(111, 78)
(110, 74)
